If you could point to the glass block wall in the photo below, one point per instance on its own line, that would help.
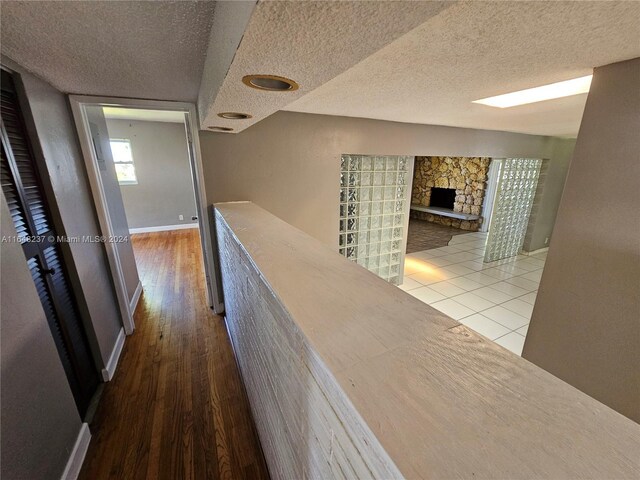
(512, 206)
(373, 209)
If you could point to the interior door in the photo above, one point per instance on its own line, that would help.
(113, 197)
(31, 216)
(206, 225)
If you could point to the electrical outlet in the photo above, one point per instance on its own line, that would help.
(181, 217)
(546, 241)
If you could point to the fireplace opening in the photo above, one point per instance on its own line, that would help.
(443, 197)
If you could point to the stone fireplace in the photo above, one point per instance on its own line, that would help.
(465, 178)
(442, 197)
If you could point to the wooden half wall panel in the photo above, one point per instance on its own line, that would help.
(350, 377)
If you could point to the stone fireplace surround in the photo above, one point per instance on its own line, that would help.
(467, 175)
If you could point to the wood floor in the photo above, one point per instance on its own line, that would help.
(423, 235)
(176, 408)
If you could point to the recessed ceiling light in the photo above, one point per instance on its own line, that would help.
(272, 83)
(234, 115)
(221, 129)
(539, 94)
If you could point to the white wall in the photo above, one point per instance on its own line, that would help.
(165, 188)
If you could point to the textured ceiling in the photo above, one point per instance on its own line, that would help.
(119, 113)
(408, 61)
(230, 20)
(310, 42)
(475, 50)
(127, 49)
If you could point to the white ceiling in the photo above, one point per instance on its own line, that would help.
(475, 50)
(138, 49)
(408, 61)
(119, 113)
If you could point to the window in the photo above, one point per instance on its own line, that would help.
(125, 169)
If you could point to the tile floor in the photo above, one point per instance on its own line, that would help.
(494, 299)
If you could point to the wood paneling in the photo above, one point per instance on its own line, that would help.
(176, 407)
(348, 376)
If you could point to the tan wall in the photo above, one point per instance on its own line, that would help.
(585, 326)
(548, 194)
(289, 163)
(40, 420)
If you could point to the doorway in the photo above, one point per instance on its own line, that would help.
(118, 144)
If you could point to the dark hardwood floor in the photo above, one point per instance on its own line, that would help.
(423, 235)
(176, 408)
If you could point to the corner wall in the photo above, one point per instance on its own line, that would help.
(548, 195)
(289, 163)
(585, 326)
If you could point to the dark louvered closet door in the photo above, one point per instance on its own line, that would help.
(31, 216)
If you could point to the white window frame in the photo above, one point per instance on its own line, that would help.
(132, 162)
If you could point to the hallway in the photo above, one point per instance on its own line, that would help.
(176, 407)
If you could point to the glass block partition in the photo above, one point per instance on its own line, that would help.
(373, 212)
(516, 190)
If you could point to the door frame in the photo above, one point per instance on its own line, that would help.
(78, 104)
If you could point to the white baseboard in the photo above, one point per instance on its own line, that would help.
(74, 464)
(540, 250)
(136, 296)
(107, 373)
(163, 228)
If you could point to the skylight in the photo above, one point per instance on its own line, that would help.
(539, 94)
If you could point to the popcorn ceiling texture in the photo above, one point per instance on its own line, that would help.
(475, 50)
(230, 19)
(310, 42)
(151, 50)
(407, 61)
(468, 175)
